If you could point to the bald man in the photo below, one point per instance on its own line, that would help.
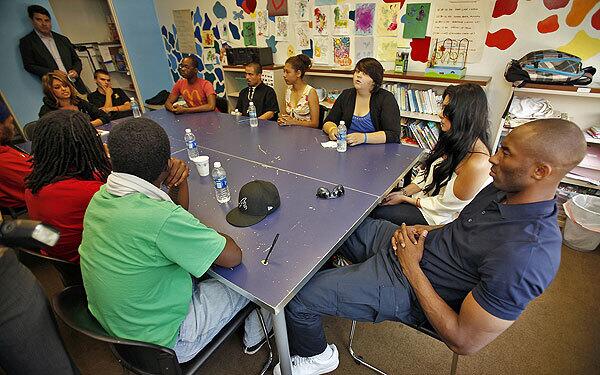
(198, 93)
(472, 278)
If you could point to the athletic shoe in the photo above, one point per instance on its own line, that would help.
(255, 348)
(313, 365)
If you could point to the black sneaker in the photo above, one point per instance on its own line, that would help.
(255, 348)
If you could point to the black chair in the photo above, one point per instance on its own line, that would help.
(70, 272)
(424, 327)
(13, 212)
(141, 357)
(29, 130)
(322, 111)
(222, 104)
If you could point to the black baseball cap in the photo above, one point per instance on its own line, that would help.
(256, 200)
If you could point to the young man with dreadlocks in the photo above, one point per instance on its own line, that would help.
(69, 166)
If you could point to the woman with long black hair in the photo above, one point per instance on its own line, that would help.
(456, 169)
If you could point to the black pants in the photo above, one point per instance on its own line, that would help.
(399, 213)
(372, 289)
(29, 339)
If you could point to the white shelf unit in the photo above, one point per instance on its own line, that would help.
(235, 81)
(579, 103)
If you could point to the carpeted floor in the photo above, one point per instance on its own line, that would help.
(559, 333)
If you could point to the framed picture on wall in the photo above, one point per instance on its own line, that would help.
(18, 137)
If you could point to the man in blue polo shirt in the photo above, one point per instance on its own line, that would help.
(472, 278)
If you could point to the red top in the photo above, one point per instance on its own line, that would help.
(14, 167)
(62, 205)
(195, 95)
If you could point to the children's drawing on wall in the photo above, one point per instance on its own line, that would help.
(291, 51)
(249, 32)
(415, 21)
(387, 19)
(341, 51)
(277, 7)
(262, 23)
(364, 17)
(341, 19)
(209, 56)
(281, 28)
(386, 49)
(302, 10)
(322, 46)
(302, 39)
(364, 47)
(223, 30)
(321, 19)
(208, 38)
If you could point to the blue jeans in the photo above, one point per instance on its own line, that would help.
(213, 305)
(372, 289)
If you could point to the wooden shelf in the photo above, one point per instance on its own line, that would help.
(420, 116)
(240, 68)
(592, 90)
(584, 184)
(408, 77)
(591, 140)
(234, 94)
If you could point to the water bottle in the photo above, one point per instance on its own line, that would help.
(135, 108)
(252, 114)
(221, 188)
(341, 137)
(190, 143)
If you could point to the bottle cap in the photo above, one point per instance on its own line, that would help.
(188, 130)
(217, 164)
(251, 103)
(342, 122)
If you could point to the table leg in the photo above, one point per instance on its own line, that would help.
(281, 340)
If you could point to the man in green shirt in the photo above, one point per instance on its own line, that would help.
(140, 248)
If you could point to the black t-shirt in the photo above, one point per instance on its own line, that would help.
(263, 97)
(118, 98)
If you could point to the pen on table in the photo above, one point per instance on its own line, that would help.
(266, 260)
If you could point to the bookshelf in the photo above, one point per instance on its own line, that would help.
(235, 81)
(578, 104)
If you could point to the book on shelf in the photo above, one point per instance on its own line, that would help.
(423, 133)
(412, 100)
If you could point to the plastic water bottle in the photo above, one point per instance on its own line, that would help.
(190, 143)
(341, 137)
(252, 114)
(221, 188)
(135, 108)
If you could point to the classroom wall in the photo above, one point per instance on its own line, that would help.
(519, 18)
(71, 14)
(22, 90)
(141, 36)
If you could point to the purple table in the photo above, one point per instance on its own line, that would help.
(294, 160)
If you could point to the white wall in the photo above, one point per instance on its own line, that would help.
(523, 22)
(83, 21)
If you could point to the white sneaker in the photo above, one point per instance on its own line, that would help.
(313, 365)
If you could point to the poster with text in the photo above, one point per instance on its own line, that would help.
(364, 19)
(341, 19)
(322, 50)
(322, 20)
(185, 30)
(277, 7)
(458, 20)
(249, 32)
(302, 31)
(415, 21)
(364, 47)
(341, 51)
(386, 49)
(387, 19)
(281, 28)
(302, 10)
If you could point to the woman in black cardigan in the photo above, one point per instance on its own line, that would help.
(370, 112)
(59, 93)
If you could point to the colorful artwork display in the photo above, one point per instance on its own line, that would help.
(302, 38)
(302, 10)
(387, 19)
(341, 19)
(322, 47)
(386, 49)
(208, 38)
(209, 55)
(277, 7)
(415, 20)
(249, 32)
(341, 51)
(364, 18)
(281, 28)
(321, 20)
(262, 22)
(364, 46)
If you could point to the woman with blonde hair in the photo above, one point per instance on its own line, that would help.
(59, 93)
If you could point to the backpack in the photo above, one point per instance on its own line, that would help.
(549, 67)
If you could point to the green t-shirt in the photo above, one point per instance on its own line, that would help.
(137, 255)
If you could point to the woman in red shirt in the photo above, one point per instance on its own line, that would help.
(69, 166)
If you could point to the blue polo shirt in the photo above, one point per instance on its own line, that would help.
(505, 254)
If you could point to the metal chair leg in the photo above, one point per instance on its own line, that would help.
(269, 361)
(357, 358)
(454, 363)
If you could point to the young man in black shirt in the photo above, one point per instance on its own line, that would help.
(111, 100)
(263, 96)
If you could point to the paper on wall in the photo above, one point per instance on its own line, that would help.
(182, 18)
(386, 49)
(321, 17)
(302, 39)
(387, 19)
(341, 19)
(322, 49)
(364, 46)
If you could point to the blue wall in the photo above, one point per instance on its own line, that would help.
(143, 40)
(22, 90)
